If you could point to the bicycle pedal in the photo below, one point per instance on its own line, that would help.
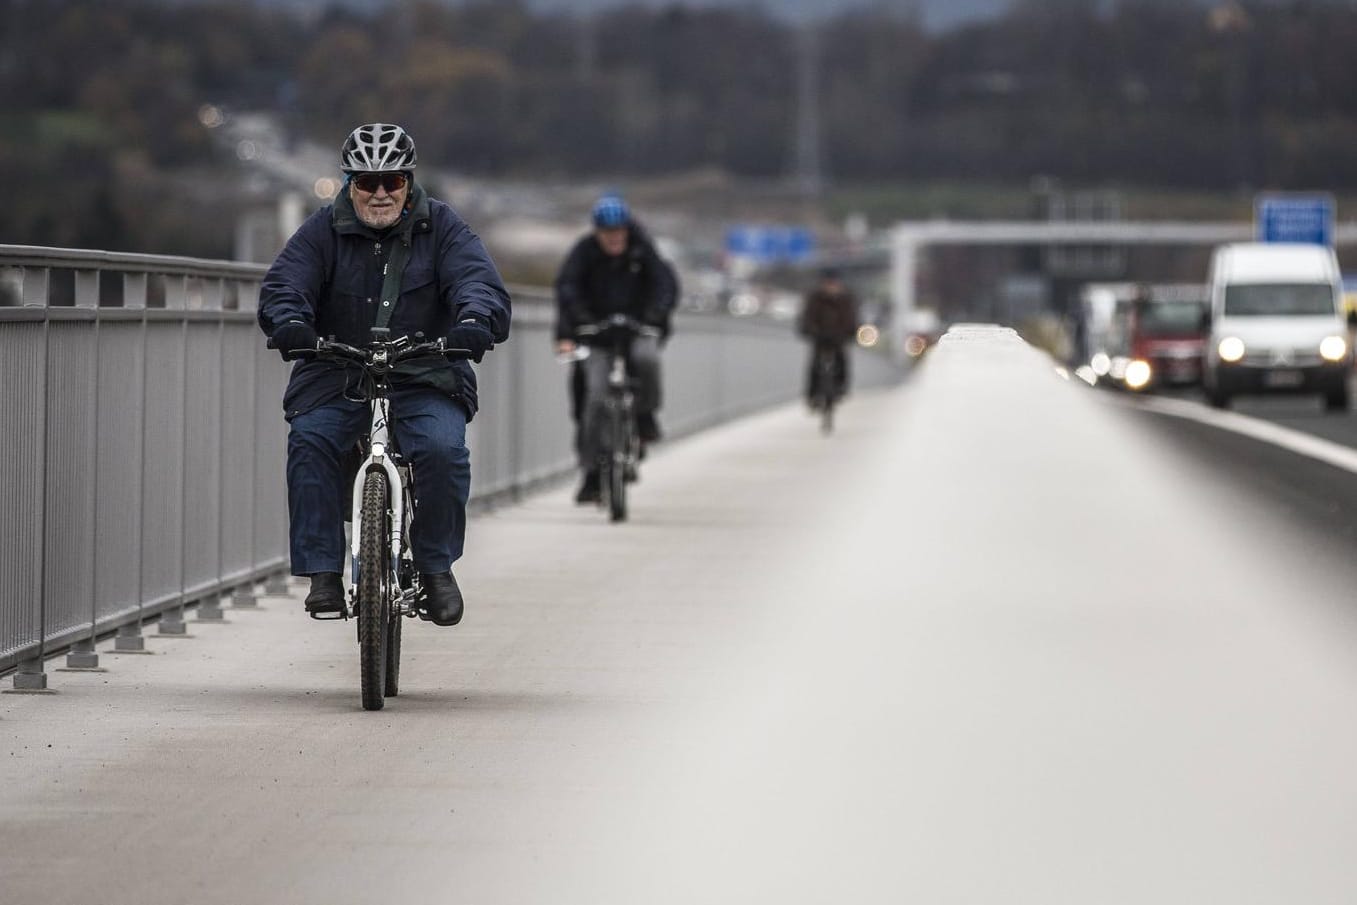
(329, 616)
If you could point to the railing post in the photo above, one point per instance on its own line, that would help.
(172, 621)
(243, 598)
(276, 585)
(209, 609)
(82, 655)
(129, 639)
(30, 676)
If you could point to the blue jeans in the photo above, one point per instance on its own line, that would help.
(430, 432)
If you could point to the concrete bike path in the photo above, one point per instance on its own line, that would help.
(904, 663)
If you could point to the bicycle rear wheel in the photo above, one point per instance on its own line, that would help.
(374, 601)
(824, 391)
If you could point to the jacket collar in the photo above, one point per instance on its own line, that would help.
(345, 220)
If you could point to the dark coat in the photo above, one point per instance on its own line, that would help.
(330, 276)
(593, 285)
(829, 316)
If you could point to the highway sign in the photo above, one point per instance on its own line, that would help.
(770, 244)
(1294, 218)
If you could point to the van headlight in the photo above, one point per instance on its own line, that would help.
(1333, 348)
(1231, 349)
(1138, 374)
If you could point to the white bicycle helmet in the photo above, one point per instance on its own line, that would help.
(377, 148)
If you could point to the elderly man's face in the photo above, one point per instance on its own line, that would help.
(379, 198)
(612, 241)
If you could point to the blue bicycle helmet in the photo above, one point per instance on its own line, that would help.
(610, 212)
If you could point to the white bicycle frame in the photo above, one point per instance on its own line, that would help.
(379, 438)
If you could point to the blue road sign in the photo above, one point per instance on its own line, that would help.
(1294, 218)
(770, 244)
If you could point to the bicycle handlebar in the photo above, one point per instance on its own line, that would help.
(617, 323)
(380, 354)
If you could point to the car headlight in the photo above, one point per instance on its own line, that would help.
(1231, 349)
(1333, 348)
(1138, 374)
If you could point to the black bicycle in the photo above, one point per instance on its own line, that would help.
(386, 583)
(824, 386)
(617, 441)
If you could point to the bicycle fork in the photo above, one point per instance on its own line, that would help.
(379, 459)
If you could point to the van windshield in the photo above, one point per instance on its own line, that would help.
(1270, 299)
(1171, 319)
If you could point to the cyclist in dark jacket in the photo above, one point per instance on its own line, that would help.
(829, 320)
(328, 282)
(615, 269)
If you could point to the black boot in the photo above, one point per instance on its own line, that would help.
(326, 596)
(442, 603)
(591, 491)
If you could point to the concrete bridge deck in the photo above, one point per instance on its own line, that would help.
(949, 654)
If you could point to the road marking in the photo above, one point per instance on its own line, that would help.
(1304, 444)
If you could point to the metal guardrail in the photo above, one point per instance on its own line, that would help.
(144, 442)
(142, 448)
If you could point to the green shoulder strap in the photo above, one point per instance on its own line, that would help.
(391, 281)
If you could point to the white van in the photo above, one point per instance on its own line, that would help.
(1276, 324)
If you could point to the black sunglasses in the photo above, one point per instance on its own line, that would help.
(368, 182)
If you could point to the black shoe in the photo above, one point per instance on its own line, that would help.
(441, 603)
(326, 596)
(647, 428)
(591, 491)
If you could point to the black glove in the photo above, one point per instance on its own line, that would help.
(658, 319)
(294, 339)
(472, 334)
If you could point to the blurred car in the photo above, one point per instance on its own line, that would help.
(1150, 337)
(1166, 338)
(923, 330)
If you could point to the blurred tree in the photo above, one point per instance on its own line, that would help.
(99, 100)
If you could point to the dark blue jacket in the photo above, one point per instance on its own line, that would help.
(330, 276)
(592, 284)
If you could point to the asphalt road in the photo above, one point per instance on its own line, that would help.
(1302, 413)
(995, 640)
(1317, 498)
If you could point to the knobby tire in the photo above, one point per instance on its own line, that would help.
(617, 468)
(374, 604)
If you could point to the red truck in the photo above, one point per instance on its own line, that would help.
(1160, 337)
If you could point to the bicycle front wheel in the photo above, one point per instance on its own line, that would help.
(374, 599)
(617, 459)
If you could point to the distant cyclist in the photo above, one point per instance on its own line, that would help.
(829, 320)
(615, 269)
(384, 242)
